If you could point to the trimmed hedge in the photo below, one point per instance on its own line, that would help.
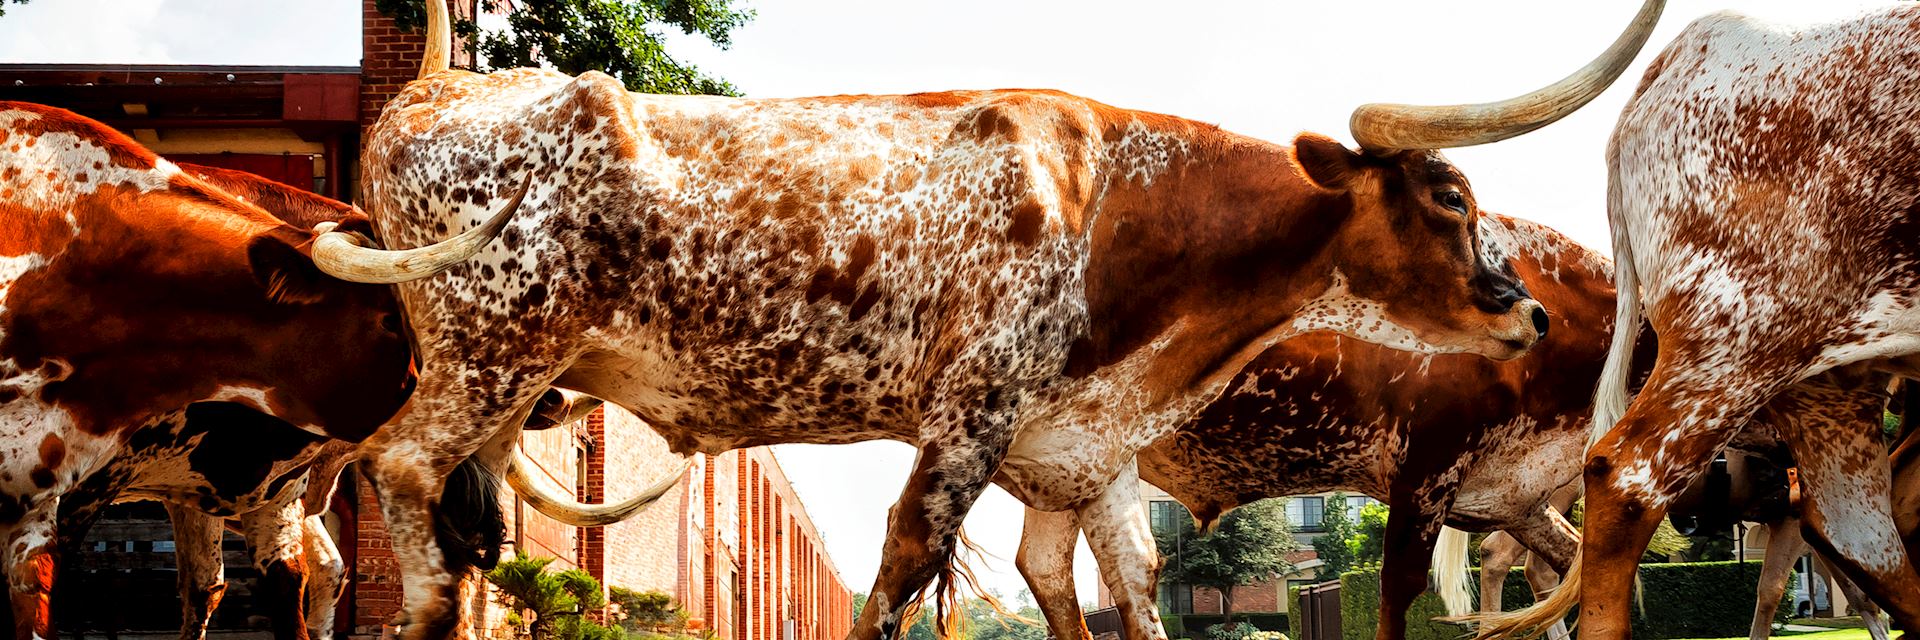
(1683, 600)
(1360, 606)
(1194, 625)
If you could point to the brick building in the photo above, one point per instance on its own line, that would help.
(1304, 513)
(731, 543)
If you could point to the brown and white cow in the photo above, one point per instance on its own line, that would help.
(145, 314)
(1764, 181)
(1441, 439)
(1028, 285)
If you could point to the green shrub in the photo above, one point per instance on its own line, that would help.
(1699, 600)
(1236, 631)
(1684, 600)
(1175, 625)
(1293, 604)
(651, 611)
(1194, 625)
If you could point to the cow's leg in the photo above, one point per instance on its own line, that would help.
(326, 577)
(196, 551)
(1499, 552)
(32, 562)
(1688, 410)
(1046, 561)
(1121, 538)
(1408, 552)
(923, 527)
(1869, 612)
(1832, 425)
(408, 462)
(1784, 546)
(1542, 577)
(1551, 538)
(274, 534)
(1553, 542)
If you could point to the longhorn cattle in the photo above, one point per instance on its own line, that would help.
(1764, 182)
(147, 315)
(1027, 285)
(1459, 439)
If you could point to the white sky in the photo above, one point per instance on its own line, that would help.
(1267, 68)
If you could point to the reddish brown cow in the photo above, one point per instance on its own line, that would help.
(1441, 439)
(148, 316)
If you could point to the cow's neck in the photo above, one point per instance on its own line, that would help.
(1200, 266)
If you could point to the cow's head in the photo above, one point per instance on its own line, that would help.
(343, 350)
(1411, 273)
(344, 341)
(1411, 252)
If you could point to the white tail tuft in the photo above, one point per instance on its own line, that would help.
(1450, 571)
(1610, 400)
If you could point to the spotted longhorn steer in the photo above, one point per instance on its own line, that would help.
(1027, 285)
(1765, 202)
(1441, 439)
(146, 315)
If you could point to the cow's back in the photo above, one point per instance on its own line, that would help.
(839, 253)
(1767, 178)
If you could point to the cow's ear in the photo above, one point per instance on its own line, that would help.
(284, 269)
(1327, 163)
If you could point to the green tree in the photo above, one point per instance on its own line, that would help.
(1369, 543)
(3, 5)
(552, 596)
(1334, 545)
(621, 38)
(1251, 543)
(651, 611)
(985, 623)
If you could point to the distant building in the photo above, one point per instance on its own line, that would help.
(1305, 512)
(731, 543)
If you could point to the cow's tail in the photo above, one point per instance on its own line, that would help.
(949, 603)
(1451, 577)
(1534, 621)
(468, 522)
(439, 54)
(1610, 399)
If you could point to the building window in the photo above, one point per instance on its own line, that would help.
(1355, 503)
(1166, 516)
(1176, 599)
(1307, 512)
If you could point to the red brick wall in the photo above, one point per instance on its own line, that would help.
(390, 58)
(644, 553)
(376, 573)
(1259, 597)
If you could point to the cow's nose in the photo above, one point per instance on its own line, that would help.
(1540, 321)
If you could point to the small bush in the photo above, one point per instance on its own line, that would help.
(651, 611)
(1238, 631)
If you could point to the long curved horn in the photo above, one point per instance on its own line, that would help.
(1389, 127)
(439, 40)
(560, 407)
(340, 255)
(556, 503)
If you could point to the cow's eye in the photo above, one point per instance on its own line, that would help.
(1452, 200)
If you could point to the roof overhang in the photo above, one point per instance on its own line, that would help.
(311, 100)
